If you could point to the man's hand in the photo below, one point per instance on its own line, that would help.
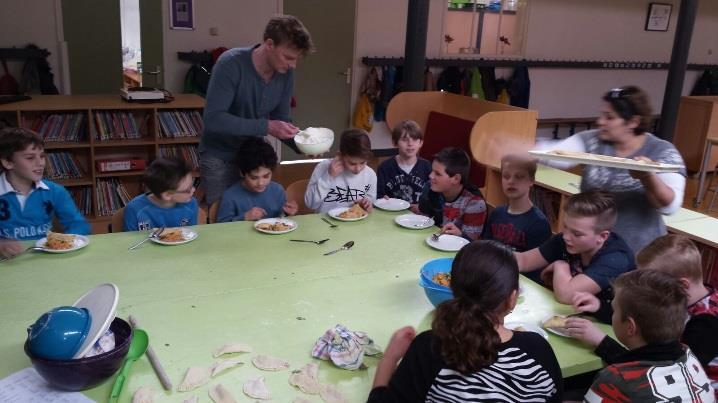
(336, 167)
(584, 330)
(451, 229)
(291, 207)
(254, 214)
(585, 302)
(281, 130)
(10, 247)
(365, 203)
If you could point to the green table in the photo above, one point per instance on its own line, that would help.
(235, 284)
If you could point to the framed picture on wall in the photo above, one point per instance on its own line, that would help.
(181, 14)
(659, 15)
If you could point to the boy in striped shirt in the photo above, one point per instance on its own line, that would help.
(456, 206)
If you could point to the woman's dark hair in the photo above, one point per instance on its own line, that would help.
(255, 153)
(631, 101)
(483, 276)
(355, 143)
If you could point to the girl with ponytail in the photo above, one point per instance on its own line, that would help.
(468, 355)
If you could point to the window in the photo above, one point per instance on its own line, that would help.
(485, 27)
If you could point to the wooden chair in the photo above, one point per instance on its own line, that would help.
(202, 215)
(118, 221)
(212, 217)
(295, 191)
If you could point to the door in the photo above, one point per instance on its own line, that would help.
(94, 45)
(151, 39)
(321, 86)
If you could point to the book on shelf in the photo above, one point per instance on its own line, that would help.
(127, 164)
(112, 195)
(116, 125)
(58, 127)
(62, 165)
(83, 198)
(180, 123)
(187, 152)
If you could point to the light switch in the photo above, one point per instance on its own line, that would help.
(214, 31)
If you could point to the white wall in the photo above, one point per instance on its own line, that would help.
(561, 30)
(23, 22)
(239, 23)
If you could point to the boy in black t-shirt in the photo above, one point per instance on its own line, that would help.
(518, 224)
(586, 256)
(403, 177)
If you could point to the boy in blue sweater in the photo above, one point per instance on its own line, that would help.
(403, 177)
(28, 203)
(255, 196)
(170, 201)
(518, 224)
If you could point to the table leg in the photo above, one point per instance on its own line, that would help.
(700, 193)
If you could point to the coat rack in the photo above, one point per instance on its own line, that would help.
(463, 62)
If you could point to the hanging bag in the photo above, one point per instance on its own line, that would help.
(8, 84)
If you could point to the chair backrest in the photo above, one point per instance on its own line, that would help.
(295, 191)
(202, 215)
(118, 221)
(213, 212)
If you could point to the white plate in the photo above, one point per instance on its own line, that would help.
(334, 213)
(189, 236)
(611, 162)
(554, 330)
(528, 327)
(101, 301)
(286, 221)
(80, 242)
(414, 221)
(446, 242)
(392, 204)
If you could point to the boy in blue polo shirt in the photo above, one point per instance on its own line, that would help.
(170, 201)
(28, 203)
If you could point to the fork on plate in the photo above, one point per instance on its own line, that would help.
(154, 234)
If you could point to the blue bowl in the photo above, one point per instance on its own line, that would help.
(58, 334)
(434, 292)
(434, 267)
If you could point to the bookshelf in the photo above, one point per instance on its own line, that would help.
(81, 130)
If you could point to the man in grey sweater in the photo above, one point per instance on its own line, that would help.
(249, 95)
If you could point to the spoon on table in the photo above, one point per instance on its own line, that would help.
(346, 246)
(138, 346)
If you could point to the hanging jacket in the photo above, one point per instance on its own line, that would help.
(488, 82)
(450, 80)
(387, 91)
(707, 84)
(520, 87)
(476, 89)
(429, 82)
(363, 111)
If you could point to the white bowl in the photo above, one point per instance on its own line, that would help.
(314, 140)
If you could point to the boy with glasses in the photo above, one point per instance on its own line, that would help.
(169, 202)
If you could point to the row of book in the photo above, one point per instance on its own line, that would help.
(83, 198)
(112, 195)
(187, 152)
(116, 125)
(58, 126)
(180, 123)
(62, 165)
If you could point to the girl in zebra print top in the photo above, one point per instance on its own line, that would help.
(469, 356)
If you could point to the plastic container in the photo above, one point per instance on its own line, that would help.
(434, 292)
(314, 140)
(59, 333)
(85, 373)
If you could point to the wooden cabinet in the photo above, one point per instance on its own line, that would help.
(697, 120)
(82, 130)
